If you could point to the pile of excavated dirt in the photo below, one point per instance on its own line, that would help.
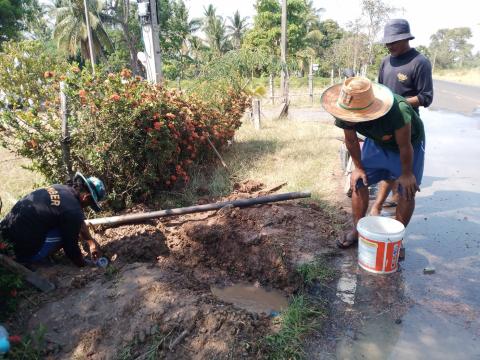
(154, 300)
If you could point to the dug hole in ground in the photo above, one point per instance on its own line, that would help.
(155, 298)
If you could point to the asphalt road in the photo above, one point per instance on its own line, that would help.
(454, 97)
(411, 314)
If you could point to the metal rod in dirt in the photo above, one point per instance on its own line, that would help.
(129, 218)
(217, 153)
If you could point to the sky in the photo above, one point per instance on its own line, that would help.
(425, 16)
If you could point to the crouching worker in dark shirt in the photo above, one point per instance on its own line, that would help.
(50, 219)
(393, 148)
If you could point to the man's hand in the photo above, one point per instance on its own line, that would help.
(93, 249)
(356, 175)
(409, 186)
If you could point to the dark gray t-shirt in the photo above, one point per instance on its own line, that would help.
(409, 74)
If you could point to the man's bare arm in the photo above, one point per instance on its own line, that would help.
(407, 179)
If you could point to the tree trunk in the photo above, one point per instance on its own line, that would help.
(131, 48)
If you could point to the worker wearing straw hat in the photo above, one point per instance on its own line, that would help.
(393, 148)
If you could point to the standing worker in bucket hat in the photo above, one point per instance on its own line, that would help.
(52, 218)
(393, 148)
(407, 73)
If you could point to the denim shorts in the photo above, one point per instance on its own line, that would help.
(384, 164)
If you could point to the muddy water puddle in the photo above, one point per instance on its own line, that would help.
(252, 298)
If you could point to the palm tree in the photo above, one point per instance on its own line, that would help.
(237, 29)
(215, 30)
(196, 51)
(119, 13)
(313, 39)
(209, 12)
(216, 33)
(70, 30)
(185, 29)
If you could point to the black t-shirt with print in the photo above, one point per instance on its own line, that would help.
(409, 74)
(27, 224)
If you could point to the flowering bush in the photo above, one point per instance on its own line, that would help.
(135, 136)
(10, 284)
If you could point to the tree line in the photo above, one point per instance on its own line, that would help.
(190, 45)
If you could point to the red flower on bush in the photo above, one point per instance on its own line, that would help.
(13, 292)
(115, 97)
(157, 125)
(125, 73)
(3, 246)
(31, 144)
(82, 93)
(15, 339)
(48, 74)
(170, 116)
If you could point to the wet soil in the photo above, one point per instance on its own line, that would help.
(155, 300)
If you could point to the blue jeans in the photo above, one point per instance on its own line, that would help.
(53, 242)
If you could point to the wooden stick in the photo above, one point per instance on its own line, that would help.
(180, 337)
(273, 189)
(216, 152)
(34, 279)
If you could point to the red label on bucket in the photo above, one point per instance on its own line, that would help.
(378, 256)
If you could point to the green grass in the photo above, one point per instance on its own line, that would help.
(155, 344)
(465, 76)
(303, 154)
(15, 180)
(317, 270)
(31, 347)
(301, 317)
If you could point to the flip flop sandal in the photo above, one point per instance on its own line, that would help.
(389, 203)
(347, 241)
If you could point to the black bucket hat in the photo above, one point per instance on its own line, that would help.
(396, 30)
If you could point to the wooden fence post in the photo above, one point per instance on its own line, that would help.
(310, 87)
(272, 89)
(256, 111)
(65, 140)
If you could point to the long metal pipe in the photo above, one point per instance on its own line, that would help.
(122, 219)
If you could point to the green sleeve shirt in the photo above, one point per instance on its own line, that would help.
(382, 130)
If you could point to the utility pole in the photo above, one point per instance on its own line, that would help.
(89, 35)
(147, 12)
(283, 49)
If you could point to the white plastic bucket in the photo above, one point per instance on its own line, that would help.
(379, 242)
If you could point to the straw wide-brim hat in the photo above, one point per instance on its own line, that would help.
(357, 100)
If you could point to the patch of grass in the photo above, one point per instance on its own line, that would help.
(303, 154)
(15, 180)
(155, 345)
(465, 76)
(31, 347)
(301, 317)
(111, 271)
(317, 270)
